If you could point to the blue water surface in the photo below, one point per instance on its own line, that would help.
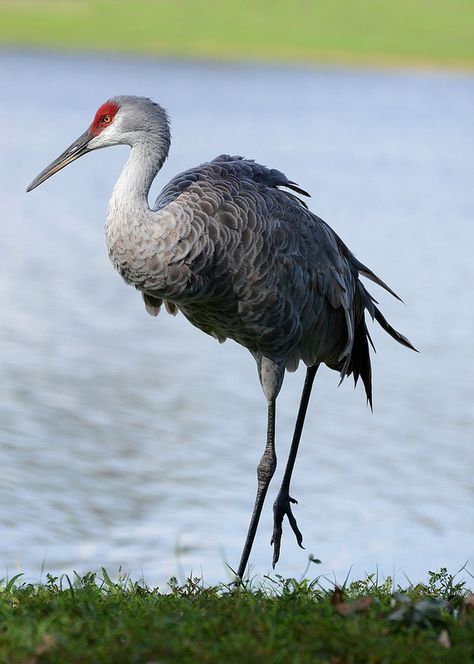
(131, 442)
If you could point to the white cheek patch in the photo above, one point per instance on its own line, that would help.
(108, 136)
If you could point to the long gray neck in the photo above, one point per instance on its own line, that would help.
(131, 225)
(130, 194)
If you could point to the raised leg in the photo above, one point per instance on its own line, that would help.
(265, 471)
(281, 505)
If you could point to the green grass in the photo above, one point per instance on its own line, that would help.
(93, 619)
(381, 32)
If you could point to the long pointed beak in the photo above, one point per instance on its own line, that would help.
(74, 151)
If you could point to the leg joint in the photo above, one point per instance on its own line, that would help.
(266, 468)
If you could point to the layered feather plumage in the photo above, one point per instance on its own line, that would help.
(243, 258)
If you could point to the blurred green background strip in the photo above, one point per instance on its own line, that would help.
(429, 33)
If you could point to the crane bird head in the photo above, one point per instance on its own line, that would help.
(121, 120)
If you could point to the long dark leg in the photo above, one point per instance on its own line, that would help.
(281, 505)
(265, 471)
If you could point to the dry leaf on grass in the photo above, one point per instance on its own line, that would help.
(357, 606)
(469, 603)
(443, 639)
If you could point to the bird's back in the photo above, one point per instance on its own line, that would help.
(250, 262)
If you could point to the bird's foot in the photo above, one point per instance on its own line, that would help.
(281, 506)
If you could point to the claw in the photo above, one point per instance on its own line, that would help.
(280, 508)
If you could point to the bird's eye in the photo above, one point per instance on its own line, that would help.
(106, 119)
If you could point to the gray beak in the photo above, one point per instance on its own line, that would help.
(74, 151)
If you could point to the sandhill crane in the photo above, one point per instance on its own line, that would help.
(231, 245)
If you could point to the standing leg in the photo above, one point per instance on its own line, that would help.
(281, 505)
(265, 471)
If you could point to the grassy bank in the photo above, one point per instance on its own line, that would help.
(381, 32)
(93, 619)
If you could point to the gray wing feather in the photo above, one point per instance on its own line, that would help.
(278, 266)
(253, 264)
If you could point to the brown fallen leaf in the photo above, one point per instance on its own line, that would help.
(337, 596)
(443, 639)
(357, 606)
(47, 643)
(469, 603)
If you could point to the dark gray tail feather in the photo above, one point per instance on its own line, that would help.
(365, 271)
(359, 364)
(368, 274)
(391, 331)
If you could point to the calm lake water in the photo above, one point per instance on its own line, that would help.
(131, 441)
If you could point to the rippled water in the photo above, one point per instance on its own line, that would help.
(131, 441)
